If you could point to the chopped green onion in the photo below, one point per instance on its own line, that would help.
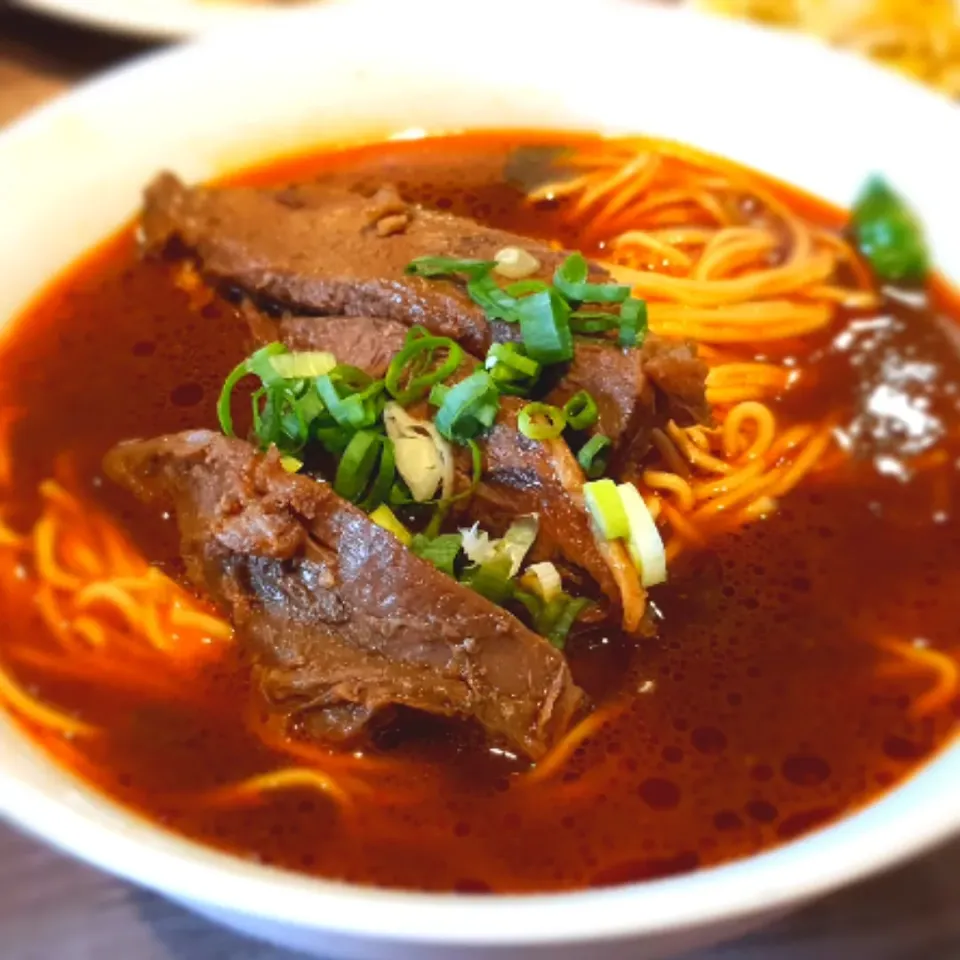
(359, 405)
(384, 517)
(644, 543)
(356, 465)
(260, 363)
(448, 266)
(415, 332)
(514, 544)
(438, 393)
(467, 408)
(408, 363)
(386, 474)
(593, 455)
(476, 462)
(266, 414)
(486, 413)
(332, 437)
(605, 506)
(523, 288)
(352, 379)
(436, 521)
(581, 411)
(487, 294)
(545, 327)
(541, 421)
(514, 372)
(633, 322)
(552, 619)
(571, 280)
(888, 233)
(564, 618)
(491, 579)
(241, 370)
(304, 365)
(509, 383)
(510, 355)
(519, 539)
(441, 551)
(593, 321)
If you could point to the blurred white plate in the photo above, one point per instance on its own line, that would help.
(164, 19)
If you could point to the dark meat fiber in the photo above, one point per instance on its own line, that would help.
(342, 620)
(520, 476)
(311, 250)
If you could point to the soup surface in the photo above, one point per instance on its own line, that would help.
(801, 664)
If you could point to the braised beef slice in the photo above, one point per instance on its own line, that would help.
(318, 250)
(369, 343)
(523, 476)
(342, 621)
(520, 475)
(314, 250)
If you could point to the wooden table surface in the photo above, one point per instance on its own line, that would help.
(54, 909)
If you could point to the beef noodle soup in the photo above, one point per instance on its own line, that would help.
(503, 512)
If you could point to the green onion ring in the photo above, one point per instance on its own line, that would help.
(555, 421)
(581, 411)
(404, 362)
(592, 456)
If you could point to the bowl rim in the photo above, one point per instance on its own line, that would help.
(124, 843)
(154, 19)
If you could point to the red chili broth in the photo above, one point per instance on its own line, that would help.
(766, 717)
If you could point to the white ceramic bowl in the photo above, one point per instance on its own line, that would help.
(73, 172)
(162, 19)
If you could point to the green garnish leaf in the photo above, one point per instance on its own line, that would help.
(889, 235)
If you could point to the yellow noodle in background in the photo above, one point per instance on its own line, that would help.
(740, 270)
(920, 38)
(114, 620)
(732, 277)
